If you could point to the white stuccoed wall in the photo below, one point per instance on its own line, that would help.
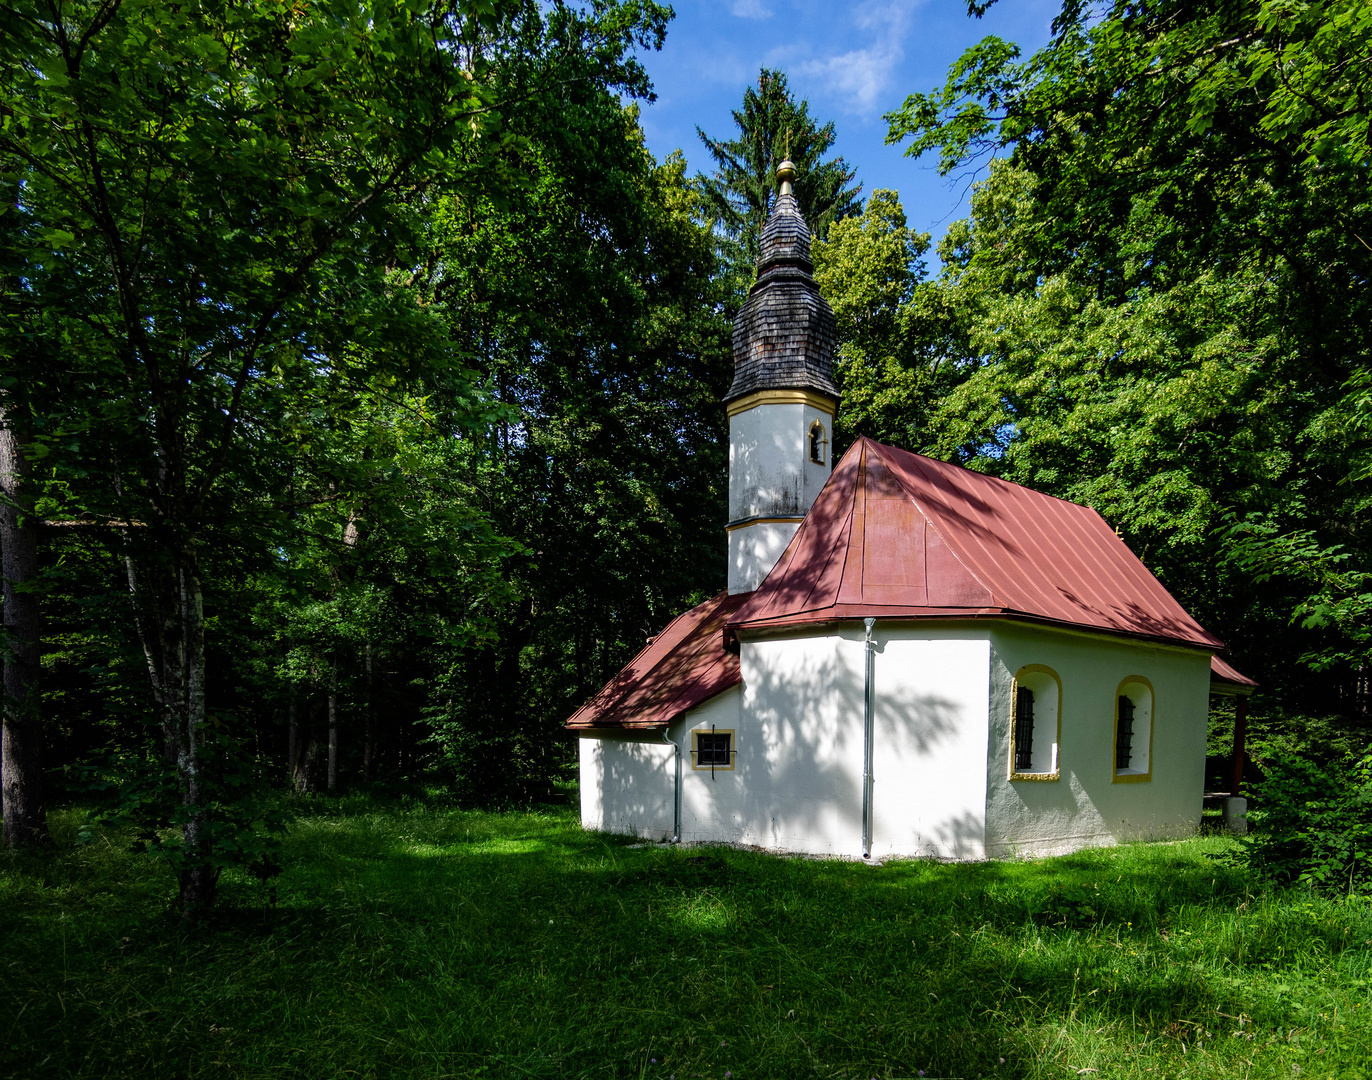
(797, 782)
(626, 783)
(770, 476)
(940, 751)
(754, 550)
(796, 785)
(715, 808)
(1085, 807)
(929, 749)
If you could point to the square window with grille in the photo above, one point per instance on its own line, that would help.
(712, 750)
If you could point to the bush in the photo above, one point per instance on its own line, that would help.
(1313, 823)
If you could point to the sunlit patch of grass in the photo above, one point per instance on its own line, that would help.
(705, 912)
(430, 942)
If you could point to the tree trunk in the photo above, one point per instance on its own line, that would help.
(146, 637)
(21, 745)
(369, 725)
(333, 739)
(306, 774)
(198, 876)
(292, 737)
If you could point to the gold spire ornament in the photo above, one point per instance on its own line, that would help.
(786, 172)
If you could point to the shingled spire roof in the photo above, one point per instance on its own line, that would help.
(784, 336)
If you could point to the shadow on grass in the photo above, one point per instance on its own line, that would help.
(422, 942)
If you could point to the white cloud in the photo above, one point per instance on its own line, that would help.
(860, 78)
(750, 9)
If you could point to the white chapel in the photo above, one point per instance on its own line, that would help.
(911, 658)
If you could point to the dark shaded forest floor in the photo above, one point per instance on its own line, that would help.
(410, 941)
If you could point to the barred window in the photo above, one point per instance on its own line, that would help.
(713, 749)
(1035, 723)
(1124, 733)
(1134, 730)
(1024, 729)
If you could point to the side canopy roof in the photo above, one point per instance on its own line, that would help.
(897, 535)
(681, 668)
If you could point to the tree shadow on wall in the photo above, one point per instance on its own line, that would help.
(806, 774)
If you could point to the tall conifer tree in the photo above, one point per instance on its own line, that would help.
(772, 125)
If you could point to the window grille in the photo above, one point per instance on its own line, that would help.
(1024, 729)
(1124, 736)
(712, 749)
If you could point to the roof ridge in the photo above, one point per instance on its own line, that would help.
(984, 475)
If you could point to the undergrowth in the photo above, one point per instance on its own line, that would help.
(414, 942)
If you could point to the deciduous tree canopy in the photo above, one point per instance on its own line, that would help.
(1161, 308)
(360, 407)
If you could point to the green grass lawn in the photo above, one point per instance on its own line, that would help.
(431, 942)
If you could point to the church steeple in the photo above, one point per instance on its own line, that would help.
(784, 335)
(783, 399)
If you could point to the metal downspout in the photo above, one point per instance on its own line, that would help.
(869, 708)
(676, 788)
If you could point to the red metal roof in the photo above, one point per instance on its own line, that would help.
(1234, 681)
(682, 667)
(897, 535)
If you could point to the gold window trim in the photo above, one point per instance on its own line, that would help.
(1056, 774)
(1117, 777)
(822, 442)
(695, 749)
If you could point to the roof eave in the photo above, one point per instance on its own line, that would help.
(822, 618)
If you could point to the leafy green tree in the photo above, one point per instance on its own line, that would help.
(1160, 303)
(772, 125)
(402, 564)
(596, 300)
(221, 205)
(897, 344)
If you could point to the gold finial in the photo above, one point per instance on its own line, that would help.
(786, 172)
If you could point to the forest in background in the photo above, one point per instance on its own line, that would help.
(362, 367)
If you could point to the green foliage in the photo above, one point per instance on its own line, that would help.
(1308, 64)
(1336, 600)
(477, 944)
(1313, 824)
(739, 196)
(893, 365)
(224, 266)
(596, 301)
(139, 796)
(1157, 308)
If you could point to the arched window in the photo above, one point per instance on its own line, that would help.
(1035, 723)
(1133, 730)
(819, 442)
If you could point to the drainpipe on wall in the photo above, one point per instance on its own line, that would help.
(676, 787)
(869, 708)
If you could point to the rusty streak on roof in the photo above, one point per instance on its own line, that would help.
(681, 668)
(897, 535)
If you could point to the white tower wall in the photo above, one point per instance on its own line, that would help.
(772, 479)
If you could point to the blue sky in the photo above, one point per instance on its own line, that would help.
(852, 61)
